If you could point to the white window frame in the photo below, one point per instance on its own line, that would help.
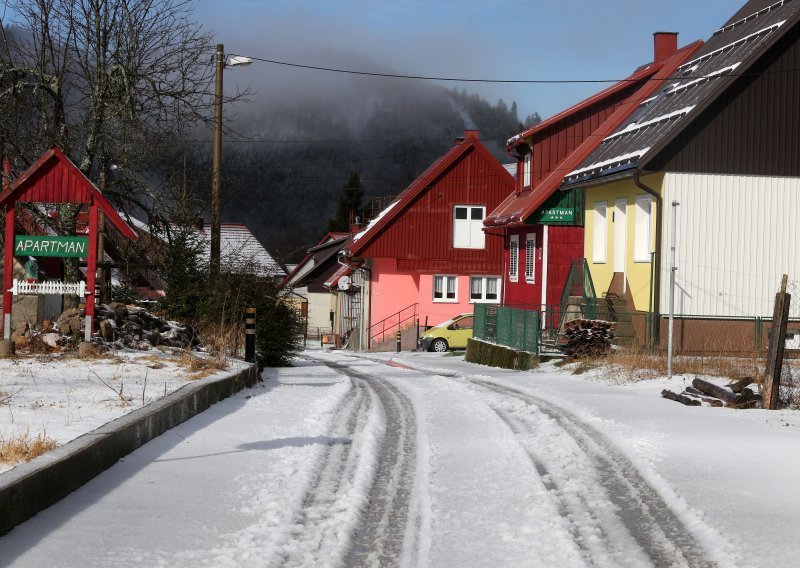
(530, 258)
(600, 232)
(513, 258)
(475, 237)
(446, 278)
(526, 170)
(643, 222)
(484, 287)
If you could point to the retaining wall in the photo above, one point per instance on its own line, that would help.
(34, 486)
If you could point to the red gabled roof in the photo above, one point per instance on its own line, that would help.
(519, 206)
(55, 179)
(643, 73)
(359, 241)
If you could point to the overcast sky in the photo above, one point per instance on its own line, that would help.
(482, 39)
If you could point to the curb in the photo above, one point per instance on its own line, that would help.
(31, 487)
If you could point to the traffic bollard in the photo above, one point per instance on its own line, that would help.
(250, 334)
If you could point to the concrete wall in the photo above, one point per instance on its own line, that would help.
(34, 486)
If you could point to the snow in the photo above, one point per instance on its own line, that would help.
(634, 126)
(278, 475)
(612, 161)
(65, 397)
(375, 221)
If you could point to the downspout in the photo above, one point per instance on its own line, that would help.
(657, 261)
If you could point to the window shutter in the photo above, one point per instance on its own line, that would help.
(599, 235)
(643, 222)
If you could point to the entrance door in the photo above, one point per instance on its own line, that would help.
(620, 233)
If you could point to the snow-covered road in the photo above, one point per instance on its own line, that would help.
(344, 460)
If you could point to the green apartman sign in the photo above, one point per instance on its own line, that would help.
(558, 214)
(29, 245)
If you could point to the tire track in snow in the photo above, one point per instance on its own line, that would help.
(314, 529)
(380, 538)
(645, 515)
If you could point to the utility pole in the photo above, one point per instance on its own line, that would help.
(216, 180)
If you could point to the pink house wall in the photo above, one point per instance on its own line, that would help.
(393, 290)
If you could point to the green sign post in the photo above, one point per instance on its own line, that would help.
(30, 245)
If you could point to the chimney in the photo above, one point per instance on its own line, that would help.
(467, 135)
(665, 45)
(355, 225)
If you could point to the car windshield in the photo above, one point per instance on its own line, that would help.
(451, 320)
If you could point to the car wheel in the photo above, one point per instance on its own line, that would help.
(439, 345)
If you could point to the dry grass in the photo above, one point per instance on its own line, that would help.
(23, 447)
(224, 341)
(630, 365)
(201, 367)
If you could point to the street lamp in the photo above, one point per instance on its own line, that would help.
(216, 167)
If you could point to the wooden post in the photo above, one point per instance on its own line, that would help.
(8, 271)
(91, 270)
(777, 344)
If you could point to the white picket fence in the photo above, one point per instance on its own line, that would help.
(52, 287)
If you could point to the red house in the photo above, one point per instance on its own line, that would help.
(542, 227)
(426, 256)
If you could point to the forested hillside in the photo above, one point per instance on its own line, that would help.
(284, 164)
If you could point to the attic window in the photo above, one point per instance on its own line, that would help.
(468, 226)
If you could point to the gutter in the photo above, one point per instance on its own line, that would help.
(659, 233)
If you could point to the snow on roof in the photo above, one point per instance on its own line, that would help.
(690, 89)
(615, 161)
(634, 126)
(238, 245)
(375, 221)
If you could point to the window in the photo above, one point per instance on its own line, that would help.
(641, 242)
(600, 231)
(530, 258)
(513, 258)
(484, 289)
(468, 227)
(445, 288)
(526, 171)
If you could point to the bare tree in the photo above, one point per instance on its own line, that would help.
(109, 81)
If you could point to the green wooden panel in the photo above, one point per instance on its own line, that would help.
(562, 208)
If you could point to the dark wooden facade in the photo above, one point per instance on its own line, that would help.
(753, 128)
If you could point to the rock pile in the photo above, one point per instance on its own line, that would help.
(116, 325)
(136, 328)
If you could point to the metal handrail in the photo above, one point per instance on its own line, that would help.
(579, 283)
(400, 320)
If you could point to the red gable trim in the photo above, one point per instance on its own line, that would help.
(641, 74)
(418, 186)
(518, 207)
(42, 183)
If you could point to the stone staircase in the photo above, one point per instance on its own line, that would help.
(620, 312)
(408, 339)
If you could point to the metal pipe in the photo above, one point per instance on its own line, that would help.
(656, 312)
(672, 270)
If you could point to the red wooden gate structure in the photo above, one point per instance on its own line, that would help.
(55, 179)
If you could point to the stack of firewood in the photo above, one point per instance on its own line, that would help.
(704, 393)
(588, 338)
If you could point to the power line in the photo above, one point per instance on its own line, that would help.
(504, 81)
